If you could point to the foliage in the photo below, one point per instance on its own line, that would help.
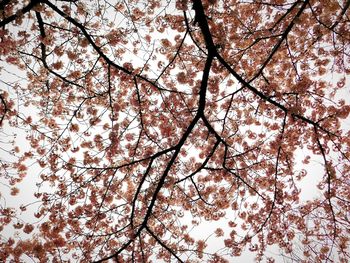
(178, 131)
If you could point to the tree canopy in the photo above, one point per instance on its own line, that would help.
(182, 131)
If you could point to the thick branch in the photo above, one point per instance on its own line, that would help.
(24, 10)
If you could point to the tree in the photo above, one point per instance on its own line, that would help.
(151, 120)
